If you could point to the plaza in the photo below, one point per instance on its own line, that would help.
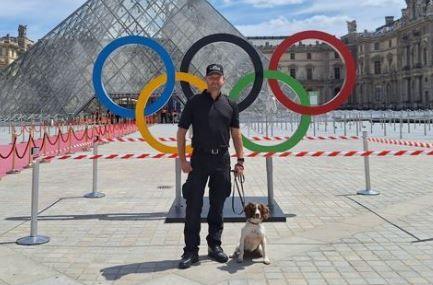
(331, 236)
(349, 187)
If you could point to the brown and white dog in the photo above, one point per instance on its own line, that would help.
(253, 237)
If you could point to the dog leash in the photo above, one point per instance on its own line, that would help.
(238, 180)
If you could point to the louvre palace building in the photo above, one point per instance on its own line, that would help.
(395, 62)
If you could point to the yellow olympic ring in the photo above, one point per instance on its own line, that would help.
(145, 94)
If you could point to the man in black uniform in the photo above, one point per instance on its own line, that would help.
(213, 117)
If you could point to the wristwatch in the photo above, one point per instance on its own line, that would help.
(241, 160)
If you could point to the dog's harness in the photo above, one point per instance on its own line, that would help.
(238, 180)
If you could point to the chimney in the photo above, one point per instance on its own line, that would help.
(22, 31)
(351, 27)
(389, 20)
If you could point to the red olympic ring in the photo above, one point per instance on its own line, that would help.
(349, 82)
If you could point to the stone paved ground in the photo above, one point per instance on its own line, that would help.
(336, 236)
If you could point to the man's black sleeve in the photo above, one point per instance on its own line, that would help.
(186, 116)
(235, 116)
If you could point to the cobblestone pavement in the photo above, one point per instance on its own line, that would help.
(336, 236)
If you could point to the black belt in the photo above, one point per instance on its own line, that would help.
(212, 151)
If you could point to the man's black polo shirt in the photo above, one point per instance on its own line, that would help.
(211, 120)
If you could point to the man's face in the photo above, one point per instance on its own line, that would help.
(214, 82)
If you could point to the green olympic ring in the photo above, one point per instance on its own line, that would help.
(297, 87)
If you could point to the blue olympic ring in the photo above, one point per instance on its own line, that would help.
(101, 93)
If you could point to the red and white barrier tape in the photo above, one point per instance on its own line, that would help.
(401, 142)
(255, 138)
(277, 138)
(381, 153)
(65, 149)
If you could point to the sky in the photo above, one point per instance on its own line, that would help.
(251, 17)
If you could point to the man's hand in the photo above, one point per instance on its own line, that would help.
(239, 169)
(186, 166)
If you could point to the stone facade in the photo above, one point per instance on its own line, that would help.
(12, 47)
(395, 62)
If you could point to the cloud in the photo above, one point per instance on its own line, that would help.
(282, 26)
(351, 7)
(39, 15)
(264, 3)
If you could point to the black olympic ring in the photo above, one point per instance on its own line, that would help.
(245, 45)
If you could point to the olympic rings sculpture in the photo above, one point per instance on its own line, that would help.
(255, 79)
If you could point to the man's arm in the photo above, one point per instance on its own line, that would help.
(235, 129)
(181, 142)
(184, 124)
(237, 141)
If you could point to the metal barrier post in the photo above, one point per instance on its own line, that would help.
(270, 179)
(30, 153)
(401, 125)
(345, 127)
(314, 126)
(408, 124)
(95, 194)
(291, 122)
(326, 123)
(334, 126)
(368, 191)
(357, 120)
(14, 150)
(272, 127)
(34, 238)
(178, 171)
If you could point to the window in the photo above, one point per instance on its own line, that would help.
(309, 55)
(292, 55)
(336, 72)
(390, 43)
(376, 46)
(407, 56)
(309, 73)
(336, 55)
(378, 92)
(1, 51)
(424, 55)
(377, 67)
(293, 72)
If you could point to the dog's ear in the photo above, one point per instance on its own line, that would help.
(264, 211)
(249, 210)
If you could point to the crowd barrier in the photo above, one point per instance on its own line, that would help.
(17, 155)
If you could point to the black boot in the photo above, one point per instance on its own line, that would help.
(188, 258)
(217, 253)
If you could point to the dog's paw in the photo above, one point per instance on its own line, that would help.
(234, 255)
(266, 261)
(240, 259)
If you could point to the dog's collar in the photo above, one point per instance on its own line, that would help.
(253, 223)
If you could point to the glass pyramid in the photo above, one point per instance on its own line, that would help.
(55, 76)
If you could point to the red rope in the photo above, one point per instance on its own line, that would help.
(73, 133)
(10, 152)
(55, 142)
(43, 141)
(67, 138)
(25, 150)
(87, 133)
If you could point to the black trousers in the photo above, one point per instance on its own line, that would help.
(216, 168)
